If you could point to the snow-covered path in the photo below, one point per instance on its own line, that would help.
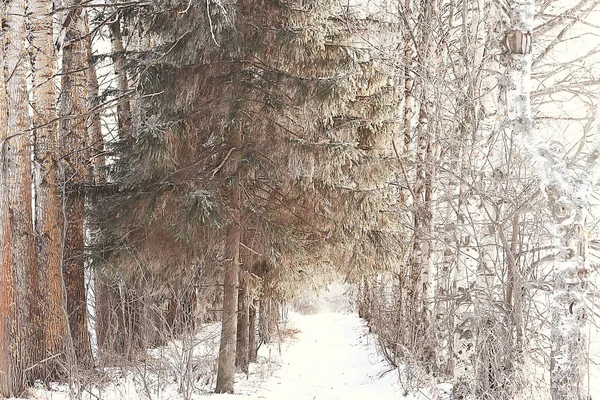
(331, 358)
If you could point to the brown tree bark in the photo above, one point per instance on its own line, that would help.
(242, 350)
(16, 153)
(252, 350)
(263, 328)
(73, 111)
(47, 218)
(11, 369)
(227, 349)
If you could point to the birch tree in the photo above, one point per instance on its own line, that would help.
(567, 193)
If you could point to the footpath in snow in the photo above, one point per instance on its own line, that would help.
(332, 357)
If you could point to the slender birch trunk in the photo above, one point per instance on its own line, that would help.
(107, 305)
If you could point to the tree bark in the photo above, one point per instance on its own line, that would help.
(110, 320)
(11, 368)
(264, 336)
(47, 218)
(242, 349)
(17, 160)
(570, 315)
(227, 348)
(74, 140)
(252, 350)
(123, 106)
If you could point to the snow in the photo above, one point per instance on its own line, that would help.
(324, 356)
(333, 357)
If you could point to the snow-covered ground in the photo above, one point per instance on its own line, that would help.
(326, 356)
(332, 357)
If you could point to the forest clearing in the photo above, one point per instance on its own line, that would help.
(183, 183)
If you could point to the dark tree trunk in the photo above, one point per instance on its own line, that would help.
(252, 350)
(74, 140)
(242, 350)
(264, 333)
(227, 349)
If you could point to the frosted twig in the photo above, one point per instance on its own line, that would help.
(214, 171)
(187, 8)
(212, 31)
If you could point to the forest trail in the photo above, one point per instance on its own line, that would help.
(331, 357)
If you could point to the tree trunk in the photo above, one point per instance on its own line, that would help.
(570, 315)
(74, 140)
(252, 350)
(17, 158)
(106, 299)
(264, 335)
(47, 217)
(242, 349)
(409, 81)
(123, 106)
(11, 368)
(227, 348)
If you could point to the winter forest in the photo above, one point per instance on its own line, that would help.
(177, 175)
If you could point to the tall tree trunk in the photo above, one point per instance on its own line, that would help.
(11, 368)
(74, 140)
(107, 302)
(242, 349)
(47, 218)
(17, 153)
(227, 348)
